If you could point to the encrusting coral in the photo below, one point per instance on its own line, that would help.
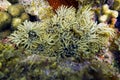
(37, 66)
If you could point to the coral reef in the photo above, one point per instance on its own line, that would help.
(71, 43)
(40, 8)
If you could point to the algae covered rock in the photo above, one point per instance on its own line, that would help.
(116, 5)
(15, 10)
(16, 22)
(18, 15)
(24, 16)
(40, 67)
(5, 20)
(4, 34)
(39, 8)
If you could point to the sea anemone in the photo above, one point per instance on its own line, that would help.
(26, 35)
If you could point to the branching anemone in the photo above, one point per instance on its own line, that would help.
(27, 35)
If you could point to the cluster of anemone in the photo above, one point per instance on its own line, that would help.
(70, 32)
